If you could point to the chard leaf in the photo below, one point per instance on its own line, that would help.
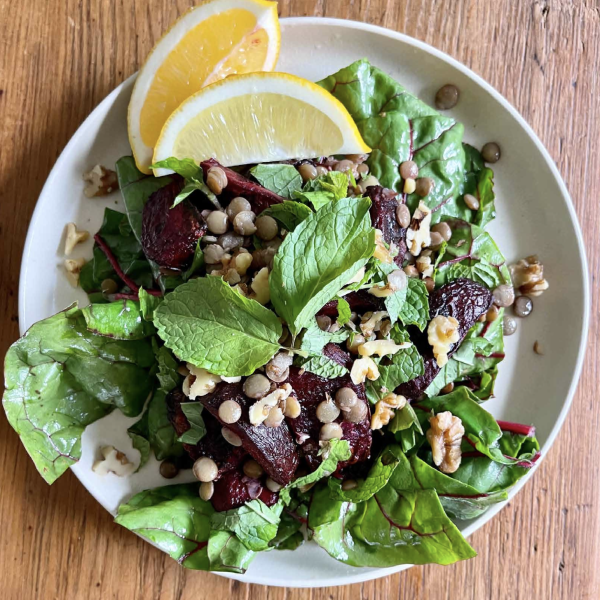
(118, 236)
(415, 310)
(120, 320)
(473, 254)
(318, 257)
(227, 553)
(289, 536)
(479, 181)
(324, 367)
(161, 435)
(186, 167)
(254, 523)
(399, 524)
(197, 430)
(403, 366)
(378, 476)
(288, 214)
(59, 378)
(138, 433)
(399, 127)
(197, 262)
(281, 179)
(333, 452)
(174, 518)
(208, 324)
(344, 311)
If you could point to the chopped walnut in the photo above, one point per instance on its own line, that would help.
(241, 262)
(381, 347)
(362, 369)
(358, 277)
(73, 268)
(73, 237)
(445, 437)
(100, 182)
(418, 234)
(424, 266)
(528, 276)
(384, 410)
(113, 461)
(199, 382)
(373, 322)
(260, 286)
(382, 252)
(442, 332)
(260, 410)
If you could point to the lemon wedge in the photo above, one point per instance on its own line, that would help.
(259, 117)
(216, 39)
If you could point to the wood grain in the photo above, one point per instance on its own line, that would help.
(59, 59)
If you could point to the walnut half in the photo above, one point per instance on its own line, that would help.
(100, 181)
(528, 276)
(442, 332)
(445, 436)
(384, 409)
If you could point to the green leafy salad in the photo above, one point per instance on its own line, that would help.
(314, 340)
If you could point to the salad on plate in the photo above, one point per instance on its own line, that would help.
(300, 303)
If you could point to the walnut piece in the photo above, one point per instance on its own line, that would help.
(73, 237)
(381, 347)
(442, 332)
(73, 268)
(384, 409)
(362, 369)
(199, 382)
(260, 410)
(382, 252)
(444, 437)
(373, 323)
(113, 461)
(100, 182)
(260, 286)
(418, 235)
(528, 276)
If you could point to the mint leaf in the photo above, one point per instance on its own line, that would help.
(288, 214)
(281, 179)
(324, 367)
(378, 476)
(394, 304)
(332, 452)
(314, 339)
(174, 518)
(415, 310)
(208, 324)
(254, 523)
(318, 257)
(197, 430)
(333, 182)
(148, 304)
(121, 320)
(344, 311)
(186, 167)
(317, 199)
(399, 368)
(59, 378)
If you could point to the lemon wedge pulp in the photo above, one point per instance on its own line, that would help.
(216, 39)
(259, 117)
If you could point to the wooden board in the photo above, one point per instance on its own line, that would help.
(59, 58)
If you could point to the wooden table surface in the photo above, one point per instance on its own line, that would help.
(57, 63)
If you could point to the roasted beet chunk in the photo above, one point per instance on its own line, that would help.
(360, 302)
(383, 217)
(260, 198)
(272, 447)
(462, 299)
(310, 389)
(213, 444)
(234, 489)
(169, 235)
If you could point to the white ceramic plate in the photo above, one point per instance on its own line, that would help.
(535, 215)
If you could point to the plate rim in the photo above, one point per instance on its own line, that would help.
(361, 576)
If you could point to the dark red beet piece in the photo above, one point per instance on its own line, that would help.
(169, 235)
(231, 491)
(463, 299)
(213, 444)
(383, 217)
(360, 302)
(272, 447)
(259, 197)
(310, 389)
